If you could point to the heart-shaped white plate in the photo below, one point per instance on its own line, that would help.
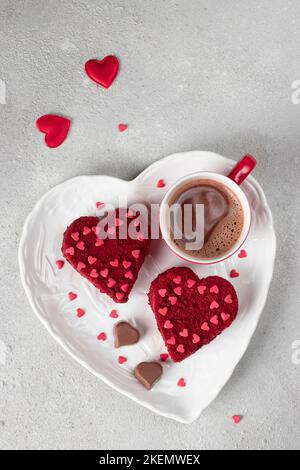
(47, 287)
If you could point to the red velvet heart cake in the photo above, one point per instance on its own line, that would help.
(110, 264)
(190, 312)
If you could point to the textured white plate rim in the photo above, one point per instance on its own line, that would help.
(60, 340)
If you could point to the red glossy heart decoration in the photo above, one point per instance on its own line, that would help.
(55, 127)
(193, 316)
(104, 71)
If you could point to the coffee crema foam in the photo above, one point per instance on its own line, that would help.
(223, 217)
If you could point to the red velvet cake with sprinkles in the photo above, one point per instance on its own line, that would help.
(111, 264)
(190, 312)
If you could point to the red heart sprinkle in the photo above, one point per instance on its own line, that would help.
(80, 312)
(122, 359)
(102, 336)
(72, 296)
(126, 264)
(214, 320)
(55, 127)
(213, 305)
(119, 295)
(59, 263)
(181, 382)
(75, 236)
(94, 274)
(173, 300)
(122, 127)
(114, 314)
(129, 275)
(92, 259)
(104, 272)
(184, 333)
(125, 287)
(100, 204)
(104, 71)
(86, 230)
(99, 242)
(236, 419)
(114, 263)
(242, 254)
(177, 279)
(177, 290)
(70, 250)
(196, 338)
(234, 273)
(111, 282)
(225, 316)
(164, 357)
(171, 340)
(180, 348)
(205, 326)
(168, 324)
(162, 292)
(161, 183)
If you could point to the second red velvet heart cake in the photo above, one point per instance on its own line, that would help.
(190, 312)
(111, 264)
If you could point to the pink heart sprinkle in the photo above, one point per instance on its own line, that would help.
(214, 320)
(213, 305)
(225, 316)
(196, 338)
(99, 242)
(104, 272)
(161, 183)
(59, 263)
(122, 359)
(114, 314)
(129, 275)
(177, 279)
(205, 326)
(86, 230)
(118, 222)
(70, 250)
(102, 336)
(214, 290)
(92, 259)
(242, 254)
(114, 263)
(180, 348)
(236, 419)
(184, 333)
(234, 273)
(162, 292)
(163, 311)
(177, 290)
(126, 264)
(163, 357)
(181, 382)
(228, 299)
(72, 296)
(119, 295)
(171, 340)
(122, 127)
(94, 229)
(99, 204)
(94, 273)
(75, 236)
(136, 253)
(80, 266)
(80, 312)
(111, 282)
(190, 283)
(168, 325)
(80, 246)
(201, 289)
(173, 300)
(125, 287)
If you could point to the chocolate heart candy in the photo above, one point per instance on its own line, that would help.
(147, 373)
(125, 334)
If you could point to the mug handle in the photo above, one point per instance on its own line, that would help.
(242, 169)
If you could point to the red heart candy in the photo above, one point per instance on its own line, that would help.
(55, 127)
(181, 382)
(105, 266)
(234, 273)
(242, 254)
(192, 312)
(103, 71)
(122, 127)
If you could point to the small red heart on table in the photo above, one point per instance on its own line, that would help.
(55, 127)
(113, 266)
(202, 311)
(103, 71)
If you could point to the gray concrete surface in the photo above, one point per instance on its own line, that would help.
(194, 74)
